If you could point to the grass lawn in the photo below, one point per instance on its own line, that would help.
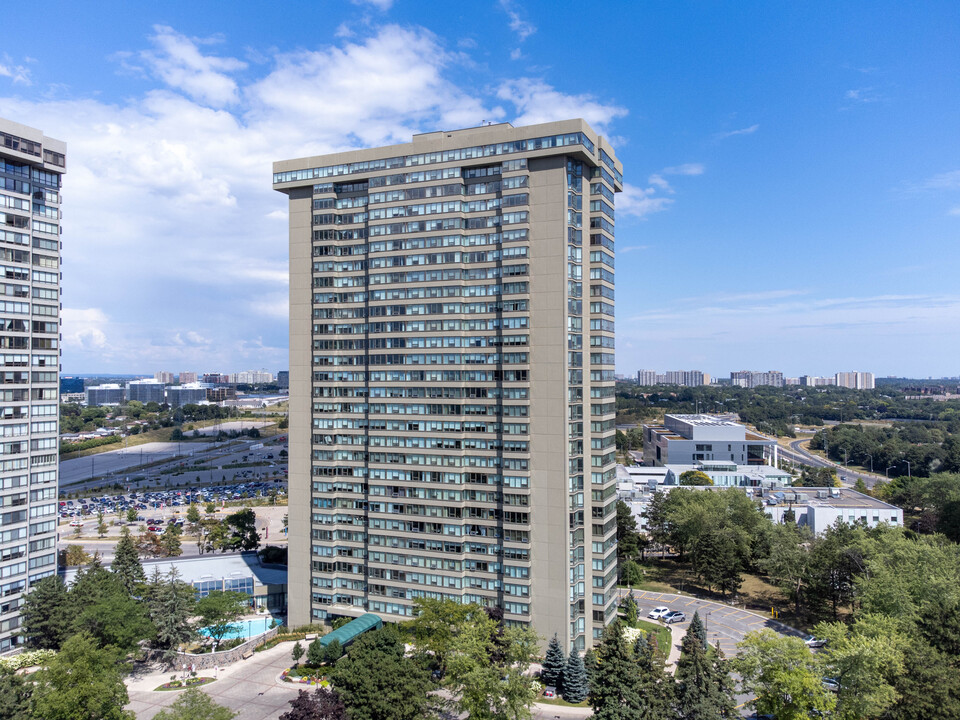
(664, 637)
(560, 701)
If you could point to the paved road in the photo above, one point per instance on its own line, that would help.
(798, 453)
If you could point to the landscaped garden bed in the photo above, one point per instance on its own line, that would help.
(183, 685)
(305, 676)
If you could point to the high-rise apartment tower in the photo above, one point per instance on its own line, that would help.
(451, 377)
(31, 165)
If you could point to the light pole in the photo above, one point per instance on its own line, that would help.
(887, 471)
(909, 476)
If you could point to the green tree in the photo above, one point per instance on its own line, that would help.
(575, 685)
(377, 682)
(695, 477)
(101, 525)
(615, 682)
(658, 523)
(126, 562)
(15, 694)
(45, 616)
(590, 666)
(170, 540)
(628, 538)
(553, 664)
(82, 682)
(718, 559)
(630, 610)
(100, 605)
(297, 653)
(243, 526)
(655, 688)
(219, 612)
(316, 653)
(321, 705)
(210, 508)
(171, 604)
(487, 669)
(783, 675)
(931, 687)
(697, 630)
(631, 573)
(75, 555)
(194, 704)
(788, 563)
(699, 693)
(332, 652)
(434, 626)
(131, 515)
(193, 514)
(866, 658)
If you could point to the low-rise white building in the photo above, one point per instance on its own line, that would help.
(820, 508)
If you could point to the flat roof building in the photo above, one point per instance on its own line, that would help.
(31, 168)
(692, 439)
(820, 508)
(148, 390)
(452, 377)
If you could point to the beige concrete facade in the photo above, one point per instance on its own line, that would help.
(31, 166)
(451, 377)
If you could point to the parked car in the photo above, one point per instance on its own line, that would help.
(814, 642)
(658, 612)
(674, 617)
(831, 684)
(76, 523)
(549, 691)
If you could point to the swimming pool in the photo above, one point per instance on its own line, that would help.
(246, 628)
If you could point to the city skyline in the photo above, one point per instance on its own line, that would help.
(793, 184)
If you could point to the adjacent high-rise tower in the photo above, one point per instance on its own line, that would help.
(451, 377)
(31, 165)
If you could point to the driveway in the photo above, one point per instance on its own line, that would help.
(249, 687)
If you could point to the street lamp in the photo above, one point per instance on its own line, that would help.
(887, 471)
(909, 476)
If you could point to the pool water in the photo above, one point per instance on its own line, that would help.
(246, 628)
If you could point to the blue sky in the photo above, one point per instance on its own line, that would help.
(792, 170)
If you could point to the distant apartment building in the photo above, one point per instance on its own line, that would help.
(188, 394)
(816, 381)
(31, 167)
(149, 390)
(692, 439)
(855, 380)
(452, 377)
(167, 378)
(215, 379)
(647, 377)
(108, 394)
(185, 378)
(283, 378)
(251, 377)
(754, 378)
(685, 378)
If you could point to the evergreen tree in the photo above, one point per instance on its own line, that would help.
(575, 686)
(45, 616)
(698, 630)
(15, 694)
(316, 654)
(590, 666)
(702, 690)
(332, 652)
(297, 653)
(630, 610)
(126, 562)
(553, 664)
(613, 686)
(171, 603)
(655, 687)
(170, 540)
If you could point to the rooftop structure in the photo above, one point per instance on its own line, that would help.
(819, 508)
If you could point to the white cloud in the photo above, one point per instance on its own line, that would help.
(623, 249)
(516, 54)
(19, 74)
(942, 181)
(382, 5)
(743, 131)
(685, 169)
(863, 95)
(640, 202)
(954, 211)
(521, 27)
(177, 61)
(538, 102)
(84, 329)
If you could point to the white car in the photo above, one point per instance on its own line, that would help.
(658, 612)
(814, 642)
(77, 523)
